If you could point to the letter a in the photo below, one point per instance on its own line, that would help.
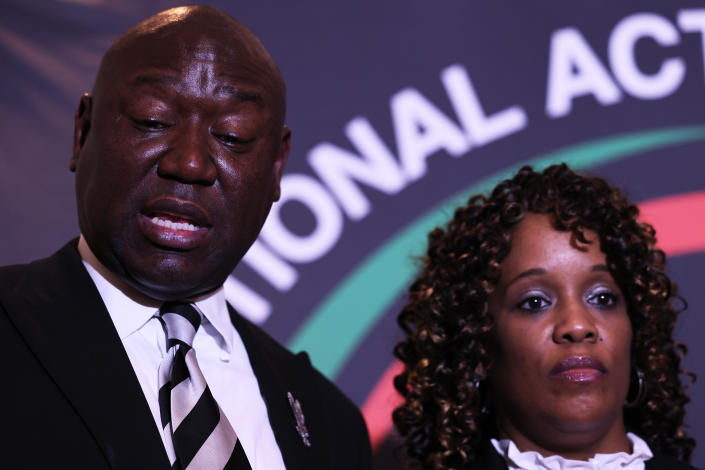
(422, 129)
(574, 70)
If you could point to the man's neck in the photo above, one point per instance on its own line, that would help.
(87, 255)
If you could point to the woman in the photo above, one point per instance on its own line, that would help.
(539, 335)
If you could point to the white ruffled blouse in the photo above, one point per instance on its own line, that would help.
(532, 460)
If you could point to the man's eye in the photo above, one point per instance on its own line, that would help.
(233, 142)
(230, 139)
(151, 124)
(533, 303)
(603, 299)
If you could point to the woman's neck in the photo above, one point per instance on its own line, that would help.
(570, 444)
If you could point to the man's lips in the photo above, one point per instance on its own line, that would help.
(177, 210)
(175, 223)
(579, 369)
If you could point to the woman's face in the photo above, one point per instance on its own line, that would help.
(561, 345)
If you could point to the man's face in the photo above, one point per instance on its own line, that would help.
(178, 159)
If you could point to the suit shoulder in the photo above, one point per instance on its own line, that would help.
(11, 275)
(49, 269)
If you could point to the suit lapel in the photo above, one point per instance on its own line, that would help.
(59, 312)
(274, 385)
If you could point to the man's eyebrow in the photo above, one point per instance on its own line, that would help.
(227, 90)
(154, 80)
(239, 94)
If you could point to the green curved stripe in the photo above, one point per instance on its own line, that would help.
(343, 319)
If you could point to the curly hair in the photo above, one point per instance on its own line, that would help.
(445, 418)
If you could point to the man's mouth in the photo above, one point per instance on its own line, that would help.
(174, 223)
(166, 223)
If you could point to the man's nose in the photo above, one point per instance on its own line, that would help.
(189, 157)
(574, 323)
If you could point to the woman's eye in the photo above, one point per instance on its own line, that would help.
(603, 299)
(533, 303)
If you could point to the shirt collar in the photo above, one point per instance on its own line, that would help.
(130, 309)
(214, 308)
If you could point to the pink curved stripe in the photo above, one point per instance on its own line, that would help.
(378, 407)
(680, 228)
(679, 222)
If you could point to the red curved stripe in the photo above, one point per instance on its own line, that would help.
(679, 222)
(680, 228)
(378, 407)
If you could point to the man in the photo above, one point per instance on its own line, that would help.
(178, 154)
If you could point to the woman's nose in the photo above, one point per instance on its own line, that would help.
(574, 323)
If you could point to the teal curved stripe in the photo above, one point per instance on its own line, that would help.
(343, 319)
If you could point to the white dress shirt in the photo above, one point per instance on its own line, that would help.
(531, 460)
(220, 353)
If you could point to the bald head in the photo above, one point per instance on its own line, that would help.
(189, 28)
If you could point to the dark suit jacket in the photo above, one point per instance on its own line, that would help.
(491, 460)
(69, 397)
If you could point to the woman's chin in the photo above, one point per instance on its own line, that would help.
(583, 416)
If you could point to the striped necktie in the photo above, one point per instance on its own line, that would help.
(196, 429)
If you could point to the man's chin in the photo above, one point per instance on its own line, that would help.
(172, 284)
(160, 292)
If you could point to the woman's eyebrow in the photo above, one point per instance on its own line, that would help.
(527, 273)
(600, 267)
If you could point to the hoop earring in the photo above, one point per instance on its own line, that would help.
(641, 389)
(485, 406)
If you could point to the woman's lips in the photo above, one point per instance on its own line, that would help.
(578, 369)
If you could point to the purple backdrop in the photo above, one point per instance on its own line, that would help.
(396, 107)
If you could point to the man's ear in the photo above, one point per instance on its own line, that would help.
(81, 127)
(280, 162)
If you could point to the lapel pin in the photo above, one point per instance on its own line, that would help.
(299, 415)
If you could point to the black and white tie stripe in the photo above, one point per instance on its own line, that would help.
(199, 436)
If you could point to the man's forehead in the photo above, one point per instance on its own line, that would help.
(204, 53)
(198, 61)
(242, 91)
(200, 47)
